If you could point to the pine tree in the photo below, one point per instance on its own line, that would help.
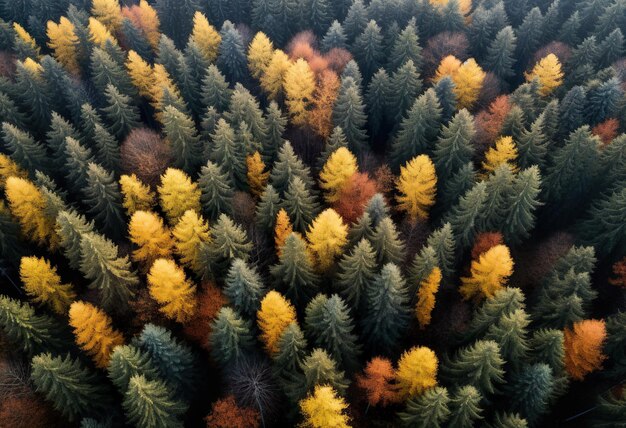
(501, 53)
(127, 361)
(150, 403)
(275, 315)
(190, 234)
(70, 226)
(480, 365)
(135, 39)
(611, 48)
(429, 410)
(23, 149)
(329, 326)
(31, 93)
(335, 37)
(503, 153)
(267, 208)
(244, 288)
(104, 71)
(64, 43)
(231, 338)
(349, 114)
(287, 166)
(324, 409)
(299, 204)
(403, 88)
(107, 150)
(170, 288)
(406, 48)
(356, 274)
(320, 369)
(181, 135)
(386, 308)
(603, 100)
(603, 228)
(228, 241)
(387, 243)
(72, 389)
(215, 91)
(532, 146)
(610, 408)
(465, 407)
(510, 333)
(375, 100)
(11, 246)
(368, 49)
(521, 219)
(289, 358)
(417, 372)
(531, 390)
(103, 198)
(136, 195)
(231, 58)
(120, 112)
(464, 216)
(216, 193)
(416, 187)
(93, 332)
(175, 18)
(260, 53)
(529, 34)
(177, 194)
(548, 72)
(327, 235)
(228, 153)
(454, 149)
(43, 284)
(426, 297)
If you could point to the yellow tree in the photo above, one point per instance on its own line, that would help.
(468, 81)
(417, 186)
(205, 36)
(8, 168)
(99, 33)
(28, 205)
(282, 230)
(162, 81)
(324, 409)
(149, 20)
(64, 43)
(504, 152)
(340, 166)
(169, 287)
(548, 72)
(43, 284)
(299, 86)
(465, 6)
(33, 66)
(417, 371)
(426, 297)
(177, 194)
(141, 74)
(108, 12)
(321, 115)
(94, 332)
(26, 37)
(327, 237)
(190, 234)
(260, 54)
(272, 81)
(137, 196)
(152, 238)
(488, 274)
(275, 314)
(448, 66)
(256, 174)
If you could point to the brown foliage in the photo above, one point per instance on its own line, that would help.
(337, 59)
(442, 45)
(491, 88)
(320, 117)
(619, 270)
(302, 45)
(489, 122)
(243, 208)
(484, 242)
(353, 197)
(606, 130)
(146, 155)
(26, 411)
(146, 310)
(210, 301)
(225, 413)
(583, 347)
(385, 180)
(562, 51)
(7, 64)
(378, 382)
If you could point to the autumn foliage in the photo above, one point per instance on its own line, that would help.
(583, 347)
(378, 382)
(225, 413)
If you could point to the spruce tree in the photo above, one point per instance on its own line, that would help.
(499, 188)
(244, 288)
(547, 346)
(135, 40)
(128, 361)
(529, 34)
(356, 20)
(604, 227)
(290, 356)
(215, 91)
(368, 48)
(501, 53)
(520, 218)
(357, 270)
(464, 216)
(60, 129)
(503, 303)
(404, 86)
(231, 59)
(9, 111)
(231, 338)
(454, 146)
(267, 208)
(106, 71)
(336, 140)
(429, 410)
(532, 146)
(351, 70)
(480, 365)
(287, 166)
(603, 100)
(611, 48)
(319, 368)
(377, 90)
(387, 243)
(120, 112)
(244, 107)
(150, 403)
(530, 391)
(465, 408)
(571, 110)
(228, 154)
(103, 198)
(510, 332)
(181, 135)
(228, 241)
(349, 114)
(299, 204)
(335, 37)
(216, 193)
(70, 227)
(443, 243)
(275, 124)
(23, 149)
(406, 47)
(32, 96)
(176, 18)
(107, 150)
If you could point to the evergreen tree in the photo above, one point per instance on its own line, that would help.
(356, 274)
(106, 71)
(387, 243)
(107, 151)
(465, 407)
(603, 100)
(120, 112)
(349, 114)
(510, 332)
(368, 48)
(443, 242)
(135, 40)
(454, 148)
(299, 204)
(181, 135)
(323, 408)
(611, 48)
(215, 90)
(335, 37)
(231, 338)
(404, 87)
(103, 198)
(150, 403)
(275, 123)
(244, 288)
(429, 410)
(356, 20)
(480, 365)
(530, 390)
(604, 227)
(464, 215)
(228, 241)
(500, 53)
(506, 420)
(320, 369)
(287, 166)
(529, 34)
(23, 149)
(290, 355)
(520, 218)
(532, 146)
(267, 208)
(610, 408)
(70, 227)
(571, 110)
(128, 361)
(231, 59)
(216, 191)
(32, 95)
(375, 101)
(228, 153)
(176, 18)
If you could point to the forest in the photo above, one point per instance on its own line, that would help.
(312, 213)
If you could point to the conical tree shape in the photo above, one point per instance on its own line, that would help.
(103, 197)
(244, 288)
(137, 196)
(500, 53)
(299, 204)
(43, 284)
(454, 148)
(177, 194)
(151, 237)
(480, 365)
(426, 297)
(428, 410)
(291, 352)
(464, 215)
(387, 243)
(170, 288)
(417, 187)
(127, 361)
(190, 234)
(282, 230)
(120, 112)
(275, 315)
(356, 274)
(216, 191)
(488, 274)
(320, 369)
(327, 235)
(23, 149)
(337, 170)
(228, 242)
(349, 114)
(287, 166)
(182, 138)
(231, 338)
(465, 407)
(521, 219)
(150, 403)
(70, 226)
(228, 153)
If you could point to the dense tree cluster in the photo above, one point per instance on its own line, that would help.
(258, 213)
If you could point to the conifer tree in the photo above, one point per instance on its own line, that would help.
(443, 242)
(273, 318)
(375, 100)
(190, 235)
(140, 73)
(228, 153)
(120, 112)
(150, 403)
(267, 208)
(93, 332)
(529, 33)
(488, 274)
(205, 36)
(23, 149)
(520, 218)
(339, 167)
(602, 228)
(136, 195)
(465, 407)
(426, 297)
(216, 193)
(152, 238)
(378, 382)
(299, 86)
(256, 173)
(503, 153)
(335, 37)
(299, 204)
(532, 146)
(356, 273)
(70, 226)
(231, 58)
(531, 390)
(272, 80)
(464, 215)
(231, 338)
(244, 288)
(103, 198)
(510, 333)
(135, 39)
(603, 100)
(548, 72)
(282, 230)
(387, 243)
(31, 93)
(288, 165)
(349, 114)
(501, 53)
(454, 148)
(327, 235)
(127, 361)
(11, 246)
(324, 409)
(320, 369)
(416, 187)
(177, 194)
(107, 151)
(406, 48)
(181, 135)
(417, 372)
(368, 49)
(228, 241)
(289, 358)
(403, 87)
(215, 91)
(260, 53)
(104, 71)
(170, 288)
(480, 365)
(175, 18)
(64, 42)
(428, 410)
(43, 284)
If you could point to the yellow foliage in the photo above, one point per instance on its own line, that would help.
(282, 230)
(548, 72)
(94, 332)
(190, 233)
(170, 288)
(465, 6)
(64, 43)
(447, 67)
(299, 86)
(260, 54)
(417, 186)
(28, 205)
(257, 175)
(275, 315)
(108, 12)
(417, 371)
(273, 79)
(43, 284)
(205, 36)
(340, 166)
(327, 236)
(25, 37)
(324, 409)
(504, 152)
(468, 81)
(177, 194)
(141, 74)
(99, 33)
(161, 82)
(8, 168)
(151, 236)
(32, 66)
(488, 274)
(149, 23)
(426, 297)
(137, 196)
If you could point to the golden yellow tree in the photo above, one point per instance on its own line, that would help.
(108, 12)
(299, 86)
(548, 72)
(324, 409)
(417, 371)
(272, 81)
(191, 232)
(32, 66)
(141, 74)
(448, 66)
(8, 168)
(64, 43)
(488, 274)
(275, 314)
(327, 237)
(256, 174)
(465, 6)
(260, 54)
(417, 186)
(426, 297)
(504, 152)
(170, 288)
(177, 194)
(162, 81)
(28, 205)
(340, 166)
(205, 36)
(94, 332)
(468, 81)
(99, 33)
(43, 284)
(137, 196)
(26, 37)
(149, 20)
(152, 238)
(282, 230)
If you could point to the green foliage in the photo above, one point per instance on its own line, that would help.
(367, 47)
(149, 403)
(244, 288)
(228, 153)
(23, 148)
(299, 204)
(216, 192)
(465, 407)
(128, 361)
(429, 410)
(231, 59)
(349, 114)
(104, 200)
(231, 338)
(464, 216)
(530, 391)
(356, 273)
(387, 243)
(180, 133)
(480, 365)
(229, 241)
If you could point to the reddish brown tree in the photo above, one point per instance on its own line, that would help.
(378, 382)
(606, 130)
(561, 50)
(354, 196)
(442, 45)
(385, 180)
(489, 122)
(490, 89)
(619, 270)
(26, 411)
(210, 301)
(484, 242)
(337, 59)
(146, 155)
(225, 413)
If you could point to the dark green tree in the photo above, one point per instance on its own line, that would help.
(135, 40)
(336, 140)
(480, 365)
(287, 166)
(150, 403)
(176, 17)
(532, 146)
(267, 208)
(335, 37)
(227, 153)
(244, 107)
(128, 361)
(503, 303)
(103, 198)
(215, 91)
(300, 204)
(356, 20)
(275, 124)
(404, 86)
(500, 57)
(456, 186)
(375, 100)
(522, 204)
(464, 216)
(571, 110)
(406, 47)
(107, 149)
(362, 229)
(121, 114)
(216, 196)
(105, 71)
(377, 209)
(70, 227)
(454, 146)
(429, 410)
(319, 368)
(570, 30)
(387, 243)
(603, 100)
(529, 34)
(231, 338)
(443, 243)
(357, 271)
(547, 346)
(9, 112)
(530, 391)
(610, 408)
(244, 288)
(604, 227)
(349, 114)
(229, 241)
(32, 96)
(290, 356)
(465, 408)
(368, 48)
(510, 332)
(231, 59)
(508, 420)
(23, 149)
(351, 70)
(182, 137)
